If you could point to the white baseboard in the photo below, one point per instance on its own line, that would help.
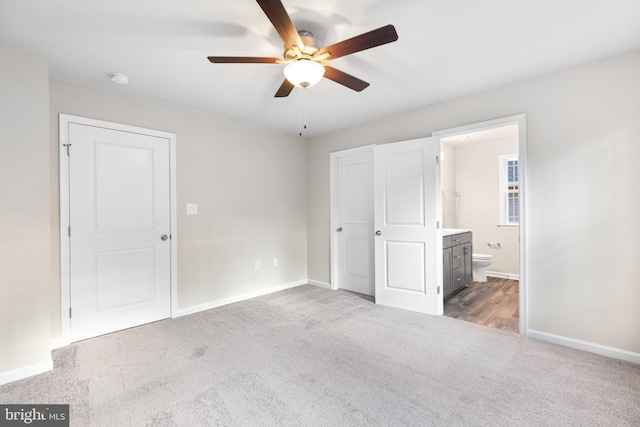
(26, 371)
(603, 350)
(503, 275)
(319, 284)
(237, 298)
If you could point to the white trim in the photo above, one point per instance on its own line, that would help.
(319, 284)
(439, 222)
(508, 226)
(501, 275)
(26, 371)
(237, 298)
(333, 205)
(173, 200)
(65, 289)
(521, 121)
(603, 350)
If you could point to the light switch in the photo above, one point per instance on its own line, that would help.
(192, 209)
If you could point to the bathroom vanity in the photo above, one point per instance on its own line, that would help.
(457, 255)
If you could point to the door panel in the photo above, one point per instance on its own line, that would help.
(119, 207)
(404, 192)
(130, 171)
(357, 256)
(405, 266)
(356, 175)
(123, 278)
(408, 257)
(354, 188)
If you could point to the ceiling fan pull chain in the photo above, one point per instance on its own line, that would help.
(304, 108)
(300, 114)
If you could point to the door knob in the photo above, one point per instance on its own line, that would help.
(164, 237)
(378, 233)
(339, 229)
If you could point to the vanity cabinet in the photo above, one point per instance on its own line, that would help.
(457, 253)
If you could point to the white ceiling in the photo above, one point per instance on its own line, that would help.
(446, 49)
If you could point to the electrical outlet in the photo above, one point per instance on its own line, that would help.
(275, 262)
(257, 265)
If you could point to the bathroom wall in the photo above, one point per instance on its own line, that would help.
(448, 185)
(477, 182)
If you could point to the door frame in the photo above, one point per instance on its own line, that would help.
(65, 277)
(333, 205)
(521, 121)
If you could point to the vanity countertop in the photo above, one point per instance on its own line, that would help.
(452, 231)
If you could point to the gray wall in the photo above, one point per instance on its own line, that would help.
(583, 128)
(24, 209)
(249, 184)
(583, 136)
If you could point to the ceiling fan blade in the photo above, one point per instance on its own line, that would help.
(382, 35)
(285, 89)
(281, 21)
(345, 79)
(242, 60)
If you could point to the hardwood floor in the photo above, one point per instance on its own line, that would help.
(493, 303)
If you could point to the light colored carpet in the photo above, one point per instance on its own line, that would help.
(313, 357)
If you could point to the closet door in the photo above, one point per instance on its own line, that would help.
(352, 220)
(408, 250)
(120, 222)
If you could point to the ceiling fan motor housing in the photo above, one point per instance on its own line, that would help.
(310, 47)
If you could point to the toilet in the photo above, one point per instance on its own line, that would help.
(479, 263)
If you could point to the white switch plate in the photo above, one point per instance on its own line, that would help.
(192, 209)
(275, 262)
(257, 265)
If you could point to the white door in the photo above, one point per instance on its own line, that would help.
(353, 227)
(119, 215)
(408, 250)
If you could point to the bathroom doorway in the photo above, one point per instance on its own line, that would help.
(482, 184)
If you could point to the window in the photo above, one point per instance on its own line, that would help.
(509, 191)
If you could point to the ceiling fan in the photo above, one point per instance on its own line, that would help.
(304, 59)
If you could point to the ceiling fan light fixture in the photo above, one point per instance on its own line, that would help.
(304, 72)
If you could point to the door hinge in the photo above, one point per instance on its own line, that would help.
(68, 148)
(437, 160)
(438, 291)
(69, 312)
(69, 231)
(437, 225)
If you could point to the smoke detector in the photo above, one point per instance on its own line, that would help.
(118, 78)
